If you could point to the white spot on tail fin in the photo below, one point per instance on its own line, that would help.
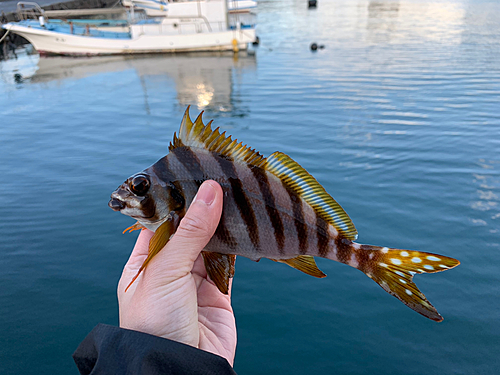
(385, 250)
(433, 258)
(408, 291)
(416, 260)
(383, 265)
(403, 281)
(427, 267)
(396, 261)
(400, 273)
(404, 254)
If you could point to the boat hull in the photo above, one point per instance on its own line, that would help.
(50, 42)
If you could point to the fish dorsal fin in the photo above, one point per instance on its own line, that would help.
(305, 185)
(304, 263)
(199, 135)
(220, 268)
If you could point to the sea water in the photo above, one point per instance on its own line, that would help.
(398, 117)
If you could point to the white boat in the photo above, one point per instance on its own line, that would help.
(199, 25)
(159, 8)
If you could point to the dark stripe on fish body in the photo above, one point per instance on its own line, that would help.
(224, 235)
(148, 208)
(369, 258)
(344, 249)
(164, 173)
(298, 215)
(273, 214)
(242, 202)
(363, 258)
(322, 234)
(191, 162)
(162, 169)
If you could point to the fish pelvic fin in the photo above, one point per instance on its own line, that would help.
(136, 226)
(393, 270)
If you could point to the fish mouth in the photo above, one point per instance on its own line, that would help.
(120, 201)
(116, 204)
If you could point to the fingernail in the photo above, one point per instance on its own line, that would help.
(206, 193)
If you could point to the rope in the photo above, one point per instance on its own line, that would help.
(4, 36)
(115, 4)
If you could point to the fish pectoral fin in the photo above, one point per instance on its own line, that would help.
(220, 268)
(136, 226)
(304, 263)
(159, 240)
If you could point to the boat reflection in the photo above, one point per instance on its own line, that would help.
(201, 79)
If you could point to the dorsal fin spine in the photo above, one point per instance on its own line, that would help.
(199, 135)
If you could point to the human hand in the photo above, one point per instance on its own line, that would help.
(173, 297)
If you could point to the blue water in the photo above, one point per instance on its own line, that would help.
(398, 117)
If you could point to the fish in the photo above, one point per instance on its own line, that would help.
(272, 208)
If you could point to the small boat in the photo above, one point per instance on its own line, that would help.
(198, 25)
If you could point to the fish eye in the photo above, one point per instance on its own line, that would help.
(139, 185)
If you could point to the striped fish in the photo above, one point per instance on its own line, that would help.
(273, 208)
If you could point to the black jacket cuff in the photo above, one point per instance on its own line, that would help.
(112, 350)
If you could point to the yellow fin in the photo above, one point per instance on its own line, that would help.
(220, 268)
(300, 181)
(393, 270)
(304, 263)
(199, 135)
(156, 243)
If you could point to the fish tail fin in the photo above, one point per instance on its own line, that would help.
(393, 270)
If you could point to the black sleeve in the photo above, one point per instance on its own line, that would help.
(113, 350)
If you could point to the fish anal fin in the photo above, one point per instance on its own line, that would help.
(304, 263)
(220, 268)
(393, 270)
(303, 184)
(136, 226)
(199, 135)
(158, 241)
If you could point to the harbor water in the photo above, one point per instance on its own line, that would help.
(398, 117)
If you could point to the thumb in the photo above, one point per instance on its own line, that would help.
(195, 229)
